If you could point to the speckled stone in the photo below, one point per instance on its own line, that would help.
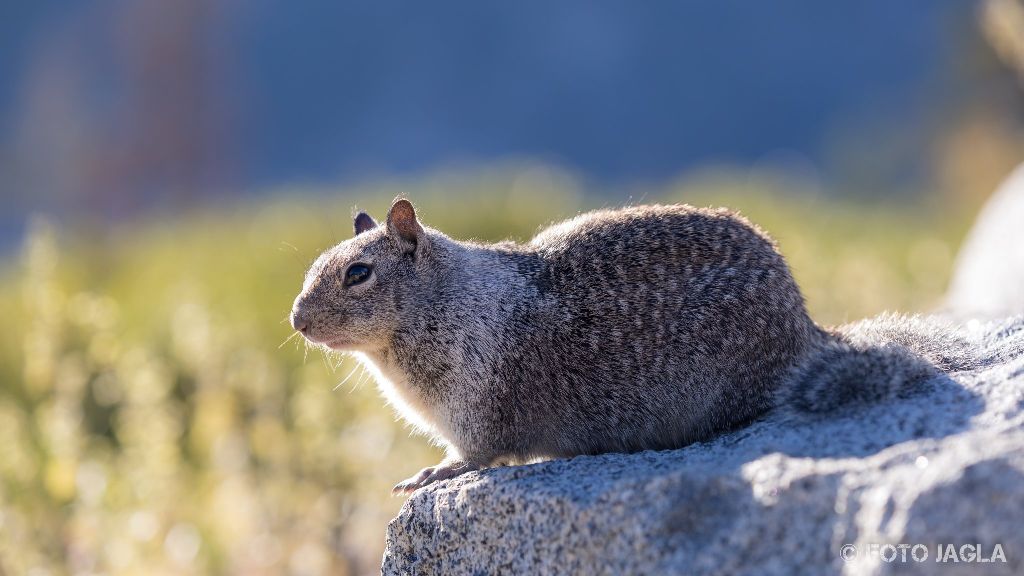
(781, 496)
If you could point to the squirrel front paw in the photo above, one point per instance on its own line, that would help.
(429, 475)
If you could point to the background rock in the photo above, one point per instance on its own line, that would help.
(989, 278)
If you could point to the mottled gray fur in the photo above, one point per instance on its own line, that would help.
(889, 356)
(648, 327)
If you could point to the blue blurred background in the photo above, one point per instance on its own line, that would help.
(109, 107)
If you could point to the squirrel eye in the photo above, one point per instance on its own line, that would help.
(356, 273)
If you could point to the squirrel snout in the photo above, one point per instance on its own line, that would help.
(300, 321)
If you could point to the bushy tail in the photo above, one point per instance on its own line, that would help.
(876, 360)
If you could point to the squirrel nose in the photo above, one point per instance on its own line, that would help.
(300, 321)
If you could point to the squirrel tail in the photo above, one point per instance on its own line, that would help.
(875, 360)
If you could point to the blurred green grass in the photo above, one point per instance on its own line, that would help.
(157, 419)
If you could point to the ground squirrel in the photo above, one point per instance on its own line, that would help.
(648, 327)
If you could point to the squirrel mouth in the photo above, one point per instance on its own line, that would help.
(334, 343)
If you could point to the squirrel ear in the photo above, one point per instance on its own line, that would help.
(363, 222)
(404, 227)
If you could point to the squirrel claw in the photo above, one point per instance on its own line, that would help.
(411, 484)
(430, 475)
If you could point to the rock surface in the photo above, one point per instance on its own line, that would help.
(782, 496)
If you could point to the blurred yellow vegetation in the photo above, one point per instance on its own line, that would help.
(157, 420)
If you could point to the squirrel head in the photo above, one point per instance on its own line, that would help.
(352, 293)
